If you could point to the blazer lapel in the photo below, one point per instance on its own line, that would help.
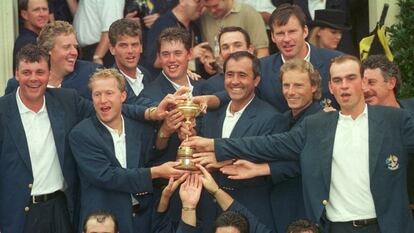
(16, 130)
(375, 137)
(221, 115)
(57, 123)
(315, 58)
(166, 86)
(327, 144)
(107, 138)
(132, 148)
(245, 121)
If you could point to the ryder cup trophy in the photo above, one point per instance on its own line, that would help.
(190, 111)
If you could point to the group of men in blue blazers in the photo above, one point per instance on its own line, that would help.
(301, 89)
(39, 184)
(112, 152)
(115, 161)
(353, 169)
(289, 30)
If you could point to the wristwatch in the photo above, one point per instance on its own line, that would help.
(162, 135)
(97, 57)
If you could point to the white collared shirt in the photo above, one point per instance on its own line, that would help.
(177, 86)
(350, 197)
(118, 138)
(51, 86)
(136, 83)
(314, 5)
(231, 120)
(47, 173)
(307, 57)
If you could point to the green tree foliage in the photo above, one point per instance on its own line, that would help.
(402, 45)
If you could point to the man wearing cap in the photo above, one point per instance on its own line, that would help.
(327, 28)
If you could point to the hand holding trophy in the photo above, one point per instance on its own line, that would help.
(190, 110)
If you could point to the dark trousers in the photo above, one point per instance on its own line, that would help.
(87, 52)
(347, 227)
(49, 217)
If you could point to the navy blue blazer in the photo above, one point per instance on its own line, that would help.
(270, 87)
(391, 132)
(216, 83)
(77, 80)
(65, 109)
(105, 185)
(408, 105)
(287, 193)
(259, 118)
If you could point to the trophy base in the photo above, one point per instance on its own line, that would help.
(186, 164)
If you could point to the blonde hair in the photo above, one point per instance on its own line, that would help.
(313, 36)
(108, 74)
(304, 67)
(48, 34)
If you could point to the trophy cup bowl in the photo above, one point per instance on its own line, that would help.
(190, 111)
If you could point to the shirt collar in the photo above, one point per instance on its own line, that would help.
(114, 131)
(132, 80)
(307, 57)
(230, 114)
(177, 86)
(347, 117)
(22, 107)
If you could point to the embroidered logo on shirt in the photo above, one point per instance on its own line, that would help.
(392, 162)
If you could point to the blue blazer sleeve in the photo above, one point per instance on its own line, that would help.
(161, 222)
(93, 162)
(283, 170)
(185, 228)
(12, 85)
(285, 146)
